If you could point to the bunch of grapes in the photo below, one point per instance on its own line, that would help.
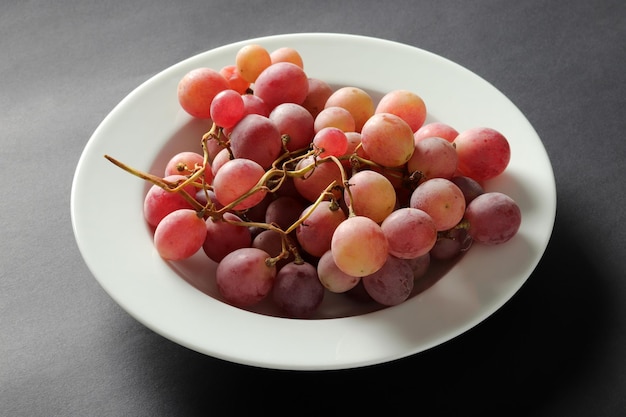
(299, 189)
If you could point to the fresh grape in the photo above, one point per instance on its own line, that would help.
(283, 211)
(419, 265)
(224, 237)
(315, 233)
(359, 246)
(387, 140)
(407, 105)
(227, 108)
(357, 101)
(493, 218)
(371, 195)
(470, 188)
(251, 60)
(450, 244)
(234, 179)
(180, 234)
(255, 105)
(282, 82)
(287, 54)
(335, 117)
(314, 182)
(244, 278)
(297, 290)
(220, 159)
(197, 89)
(434, 158)
(295, 121)
(392, 283)
(437, 130)
(333, 278)
(330, 141)
(187, 163)
(317, 95)
(235, 81)
(410, 232)
(159, 202)
(442, 200)
(256, 137)
(484, 153)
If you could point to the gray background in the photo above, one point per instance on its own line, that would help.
(556, 349)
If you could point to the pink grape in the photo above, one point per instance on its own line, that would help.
(186, 163)
(251, 60)
(419, 265)
(254, 105)
(484, 153)
(434, 158)
(359, 246)
(282, 82)
(271, 242)
(436, 129)
(224, 237)
(356, 100)
(297, 290)
(235, 81)
(371, 195)
(244, 278)
(283, 211)
(234, 179)
(318, 93)
(256, 137)
(470, 187)
(197, 89)
(315, 233)
(406, 104)
(493, 217)
(331, 141)
(410, 232)
(287, 54)
(335, 117)
(451, 244)
(159, 202)
(442, 200)
(311, 185)
(220, 159)
(227, 108)
(333, 278)
(392, 283)
(387, 140)
(295, 121)
(180, 234)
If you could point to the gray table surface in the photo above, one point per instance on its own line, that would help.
(556, 349)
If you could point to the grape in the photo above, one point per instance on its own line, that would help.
(234, 179)
(442, 200)
(419, 265)
(318, 93)
(298, 291)
(331, 141)
(335, 117)
(224, 237)
(235, 81)
(255, 105)
(333, 278)
(197, 89)
(159, 202)
(436, 129)
(387, 140)
(283, 211)
(359, 246)
(357, 101)
(271, 242)
(450, 244)
(392, 283)
(295, 121)
(371, 195)
(407, 105)
(287, 54)
(434, 158)
(256, 137)
(410, 232)
(220, 159)
(313, 183)
(186, 163)
(315, 233)
(493, 218)
(244, 278)
(470, 188)
(227, 108)
(251, 60)
(282, 82)
(484, 153)
(180, 234)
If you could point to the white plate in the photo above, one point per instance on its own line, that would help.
(148, 126)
